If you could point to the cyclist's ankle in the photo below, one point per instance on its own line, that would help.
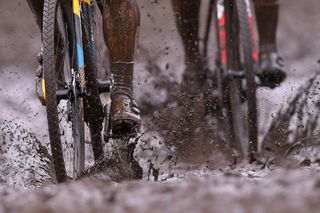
(268, 48)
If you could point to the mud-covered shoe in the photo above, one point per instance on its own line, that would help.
(272, 74)
(125, 115)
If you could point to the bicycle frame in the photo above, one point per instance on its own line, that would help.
(71, 80)
(77, 8)
(220, 19)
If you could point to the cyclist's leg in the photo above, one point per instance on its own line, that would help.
(267, 13)
(121, 20)
(187, 20)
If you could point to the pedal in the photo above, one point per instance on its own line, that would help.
(236, 74)
(104, 86)
(63, 94)
(122, 136)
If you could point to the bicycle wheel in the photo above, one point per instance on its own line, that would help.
(233, 88)
(237, 78)
(63, 103)
(223, 112)
(230, 115)
(249, 58)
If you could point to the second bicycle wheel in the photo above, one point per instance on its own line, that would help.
(64, 105)
(249, 60)
(239, 88)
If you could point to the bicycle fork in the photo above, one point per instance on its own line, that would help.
(78, 88)
(79, 65)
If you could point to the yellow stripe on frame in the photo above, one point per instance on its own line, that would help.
(76, 7)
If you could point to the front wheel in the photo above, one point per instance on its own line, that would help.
(64, 105)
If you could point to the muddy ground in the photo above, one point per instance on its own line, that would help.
(230, 192)
(201, 179)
